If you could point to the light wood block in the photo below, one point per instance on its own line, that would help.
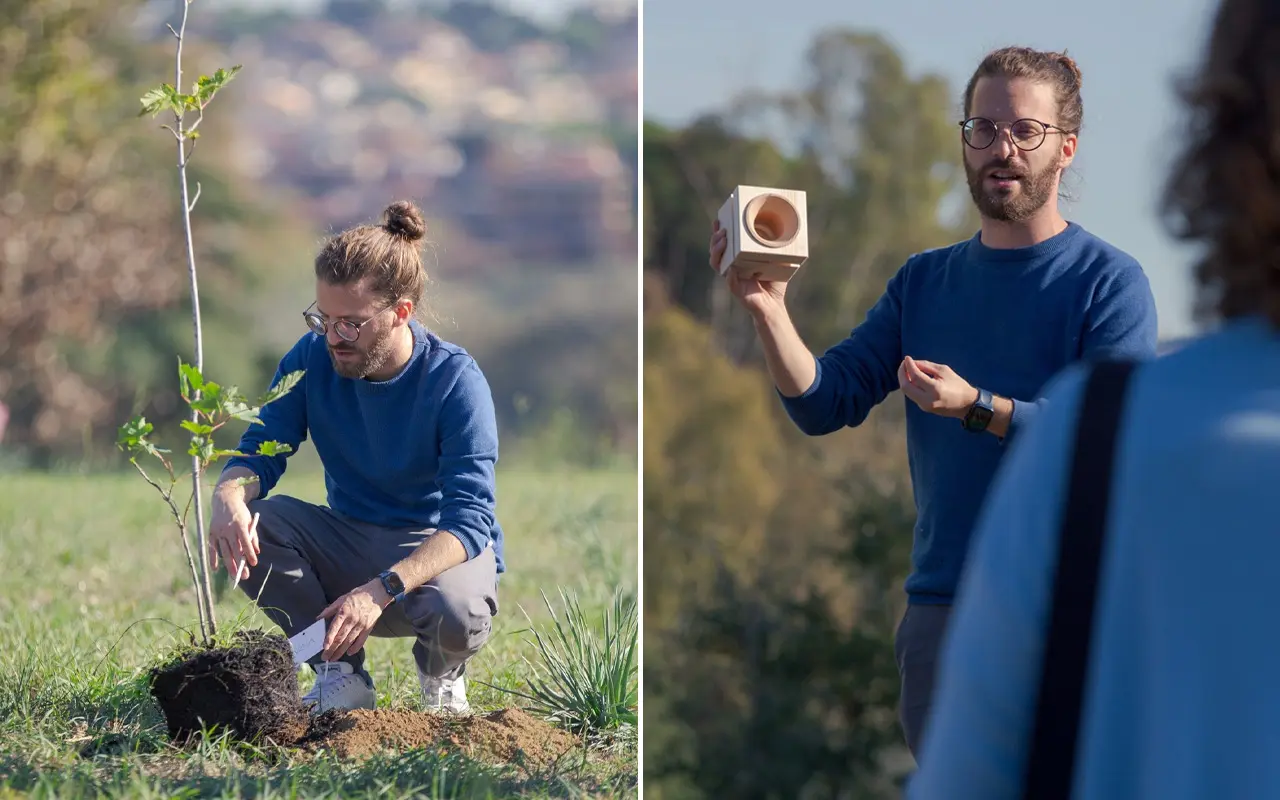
(768, 233)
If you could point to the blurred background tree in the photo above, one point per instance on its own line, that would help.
(512, 134)
(774, 562)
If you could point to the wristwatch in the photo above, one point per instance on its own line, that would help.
(393, 585)
(979, 415)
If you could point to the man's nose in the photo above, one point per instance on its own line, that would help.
(333, 338)
(1004, 146)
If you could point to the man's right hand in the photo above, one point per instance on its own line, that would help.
(761, 298)
(232, 537)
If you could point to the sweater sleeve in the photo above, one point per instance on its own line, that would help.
(284, 421)
(857, 374)
(976, 744)
(468, 461)
(1121, 322)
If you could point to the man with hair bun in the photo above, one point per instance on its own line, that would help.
(970, 333)
(409, 544)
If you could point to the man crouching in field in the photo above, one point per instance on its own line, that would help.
(408, 545)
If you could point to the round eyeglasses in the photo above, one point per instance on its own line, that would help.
(347, 330)
(1027, 134)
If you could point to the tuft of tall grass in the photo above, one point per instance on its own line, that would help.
(585, 677)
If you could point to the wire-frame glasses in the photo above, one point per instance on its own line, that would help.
(1027, 134)
(347, 330)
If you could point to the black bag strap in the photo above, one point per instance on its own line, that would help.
(1051, 764)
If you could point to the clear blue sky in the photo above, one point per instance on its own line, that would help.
(698, 53)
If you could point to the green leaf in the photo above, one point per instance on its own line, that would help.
(230, 400)
(133, 433)
(206, 86)
(210, 399)
(164, 98)
(249, 415)
(283, 386)
(198, 428)
(132, 438)
(245, 480)
(190, 379)
(202, 447)
(274, 448)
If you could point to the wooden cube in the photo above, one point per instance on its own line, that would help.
(768, 233)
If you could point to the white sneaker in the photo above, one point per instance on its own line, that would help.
(338, 686)
(444, 694)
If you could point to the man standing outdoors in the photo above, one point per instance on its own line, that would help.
(1165, 686)
(970, 333)
(404, 424)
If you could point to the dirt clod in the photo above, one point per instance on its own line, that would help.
(250, 688)
(501, 736)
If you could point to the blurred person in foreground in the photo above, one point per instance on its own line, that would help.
(404, 424)
(970, 332)
(1177, 666)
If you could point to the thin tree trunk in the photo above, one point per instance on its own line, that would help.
(204, 589)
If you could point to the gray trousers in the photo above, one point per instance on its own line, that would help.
(312, 555)
(915, 646)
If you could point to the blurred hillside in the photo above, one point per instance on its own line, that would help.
(774, 562)
(517, 138)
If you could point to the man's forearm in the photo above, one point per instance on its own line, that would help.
(789, 360)
(232, 483)
(441, 551)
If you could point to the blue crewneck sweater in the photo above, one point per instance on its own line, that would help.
(1006, 320)
(418, 450)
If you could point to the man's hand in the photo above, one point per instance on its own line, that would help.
(352, 618)
(936, 388)
(233, 536)
(760, 298)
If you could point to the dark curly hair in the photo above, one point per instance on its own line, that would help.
(1224, 190)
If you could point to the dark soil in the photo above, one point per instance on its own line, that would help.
(501, 736)
(250, 688)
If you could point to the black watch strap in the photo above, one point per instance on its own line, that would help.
(979, 415)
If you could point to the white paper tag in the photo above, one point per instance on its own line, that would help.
(307, 643)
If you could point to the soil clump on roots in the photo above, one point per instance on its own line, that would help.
(249, 688)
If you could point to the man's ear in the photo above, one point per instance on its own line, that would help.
(1068, 152)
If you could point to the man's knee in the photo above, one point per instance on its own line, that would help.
(456, 624)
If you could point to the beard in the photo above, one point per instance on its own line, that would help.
(366, 361)
(1031, 191)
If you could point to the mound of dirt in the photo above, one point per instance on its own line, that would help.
(250, 688)
(499, 736)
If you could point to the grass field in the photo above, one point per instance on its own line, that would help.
(93, 587)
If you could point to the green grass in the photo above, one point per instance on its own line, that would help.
(94, 591)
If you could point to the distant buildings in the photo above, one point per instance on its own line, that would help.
(511, 149)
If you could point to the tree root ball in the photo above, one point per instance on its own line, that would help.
(249, 688)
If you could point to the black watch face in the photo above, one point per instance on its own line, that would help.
(979, 418)
(394, 583)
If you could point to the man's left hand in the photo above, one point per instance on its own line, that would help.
(936, 388)
(352, 618)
